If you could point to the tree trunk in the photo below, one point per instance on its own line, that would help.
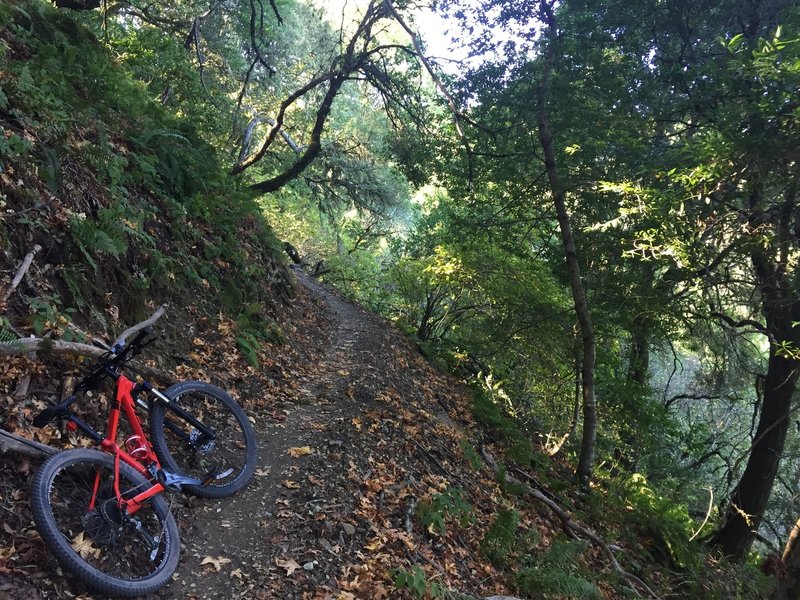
(639, 357)
(749, 498)
(788, 587)
(782, 310)
(586, 460)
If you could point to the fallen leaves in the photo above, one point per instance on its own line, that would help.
(83, 546)
(215, 562)
(291, 485)
(299, 451)
(289, 564)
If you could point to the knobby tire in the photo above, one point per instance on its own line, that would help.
(183, 449)
(103, 548)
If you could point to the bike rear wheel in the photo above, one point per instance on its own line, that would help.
(202, 431)
(75, 509)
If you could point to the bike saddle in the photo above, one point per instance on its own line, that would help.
(53, 413)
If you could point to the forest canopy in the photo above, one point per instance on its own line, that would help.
(592, 217)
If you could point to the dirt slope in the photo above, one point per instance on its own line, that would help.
(355, 430)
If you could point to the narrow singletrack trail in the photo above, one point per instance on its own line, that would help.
(255, 538)
(355, 429)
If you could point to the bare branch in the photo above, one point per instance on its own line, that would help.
(139, 326)
(23, 269)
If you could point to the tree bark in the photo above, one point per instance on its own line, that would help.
(788, 587)
(16, 444)
(781, 308)
(586, 460)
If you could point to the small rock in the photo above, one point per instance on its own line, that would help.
(309, 566)
(348, 529)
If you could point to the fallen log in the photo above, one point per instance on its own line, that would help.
(60, 347)
(16, 444)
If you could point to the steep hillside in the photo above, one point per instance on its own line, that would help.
(129, 206)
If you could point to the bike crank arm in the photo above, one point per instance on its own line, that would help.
(174, 482)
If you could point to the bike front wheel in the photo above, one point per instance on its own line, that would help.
(76, 510)
(204, 433)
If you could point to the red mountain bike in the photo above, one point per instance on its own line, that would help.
(102, 514)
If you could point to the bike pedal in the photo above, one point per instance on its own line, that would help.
(215, 475)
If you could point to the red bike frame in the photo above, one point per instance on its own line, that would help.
(142, 457)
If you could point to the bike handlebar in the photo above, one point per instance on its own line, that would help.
(120, 352)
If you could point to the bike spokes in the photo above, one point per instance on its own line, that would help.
(88, 514)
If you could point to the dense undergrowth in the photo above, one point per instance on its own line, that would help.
(129, 204)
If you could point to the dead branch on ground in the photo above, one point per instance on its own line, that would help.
(574, 528)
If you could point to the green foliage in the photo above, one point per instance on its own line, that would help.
(13, 147)
(417, 583)
(501, 539)
(253, 328)
(555, 573)
(487, 410)
(145, 186)
(664, 523)
(449, 505)
(473, 458)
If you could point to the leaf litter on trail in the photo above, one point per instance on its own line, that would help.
(83, 546)
(215, 562)
(299, 451)
(289, 564)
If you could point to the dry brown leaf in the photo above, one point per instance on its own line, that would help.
(289, 484)
(215, 562)
(299, 451)
(289, 564)
(83, 546)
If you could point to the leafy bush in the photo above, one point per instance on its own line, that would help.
(489, 412)
(666, 523)
(500, 540)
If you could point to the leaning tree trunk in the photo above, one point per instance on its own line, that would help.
(586, 460)
(781, 307)
(788, 587)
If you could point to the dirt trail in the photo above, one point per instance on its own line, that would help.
(381, 432)
(264, 526)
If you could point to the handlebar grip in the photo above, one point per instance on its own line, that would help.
(44, 417)
(141, 335)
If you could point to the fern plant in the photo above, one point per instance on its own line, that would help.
(555, 573)
(449, 505)
(501, 538)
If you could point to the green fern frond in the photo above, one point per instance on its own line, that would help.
(542, 582)
(7, 337)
